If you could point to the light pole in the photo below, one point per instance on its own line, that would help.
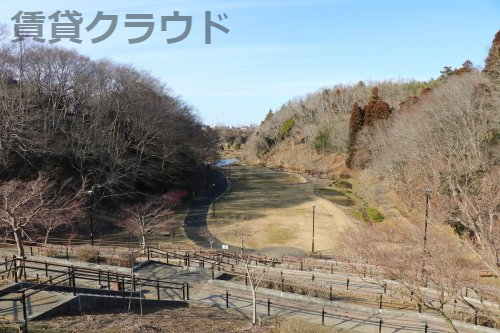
(213, 199)
(427, 192)
(312, 248)
(91, 192)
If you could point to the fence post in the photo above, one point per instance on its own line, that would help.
(25, 313)
(426, 327)
(331, 293)
(158, 289)
(227, 299)
(282, 282)
(475, 318)
(385, 287)
(6, 265)
(347, 284)
(31, 250)
(380, 306)
(268, 306)
(187, 291)
(15, 270)
(123, 286)
(246, 279)
(167, 257)
(67, 254)
(73, 281)
(24, 267)
(99, 277)
(380, 322)
(323, 317)
(109, 282)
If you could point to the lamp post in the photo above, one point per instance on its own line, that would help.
(213, 199)
(91, 192)
(312, 248)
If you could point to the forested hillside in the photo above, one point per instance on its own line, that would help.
(408, 138)
(84, 139)
(119, 128)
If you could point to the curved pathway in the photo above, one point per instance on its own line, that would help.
(195, 224)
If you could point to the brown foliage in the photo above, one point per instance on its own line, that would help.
(376, 109)
(492, 64)
(86, 253)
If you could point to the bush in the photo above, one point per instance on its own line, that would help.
(51, 251)
(118, 261)
(86, 253)
(286, 128)
(322, 141)
(374, 214)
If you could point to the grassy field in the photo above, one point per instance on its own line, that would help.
(276, 208)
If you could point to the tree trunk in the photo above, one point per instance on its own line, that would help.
(20, 251)
(143, 242)
(254, 307)
(19, 242)
(46, 239)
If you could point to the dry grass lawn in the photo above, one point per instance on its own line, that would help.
(276, 207)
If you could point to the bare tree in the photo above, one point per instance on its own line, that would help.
(40, 204)
(211, 234)
(255, 275)
(150, 217)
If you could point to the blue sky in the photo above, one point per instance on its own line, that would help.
(277, 50)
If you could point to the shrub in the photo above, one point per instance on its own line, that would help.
(374, 214)
(322, 140)
(286, 128)
(86, 253)
(51, 251)
(118, 261)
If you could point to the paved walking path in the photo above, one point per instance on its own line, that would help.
(213, 292)
(196, 220)
(337, 314)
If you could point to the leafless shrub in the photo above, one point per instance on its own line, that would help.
(86, 253)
